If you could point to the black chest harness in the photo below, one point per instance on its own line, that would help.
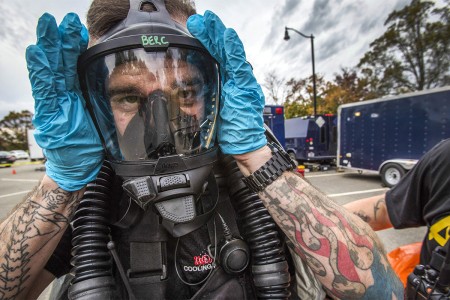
(140, 260)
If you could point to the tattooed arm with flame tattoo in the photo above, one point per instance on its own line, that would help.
(29, 235)
(344, 253)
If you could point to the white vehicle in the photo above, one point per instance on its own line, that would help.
(20, 154)
(36, 152)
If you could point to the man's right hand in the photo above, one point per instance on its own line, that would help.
(63, 127)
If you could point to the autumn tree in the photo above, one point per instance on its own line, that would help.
(13, 130)
(300, 96)
(276, 88)
(413, 53)
(346, 87)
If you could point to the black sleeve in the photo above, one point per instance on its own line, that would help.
(59, 263)
(423, 195)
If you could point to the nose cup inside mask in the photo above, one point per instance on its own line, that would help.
(151, 123)
(158, 138)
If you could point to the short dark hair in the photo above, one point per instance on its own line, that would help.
(105, 14)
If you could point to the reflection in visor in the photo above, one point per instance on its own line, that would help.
(162, 103)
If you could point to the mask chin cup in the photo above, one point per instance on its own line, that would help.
(178, 210)
(179, 229)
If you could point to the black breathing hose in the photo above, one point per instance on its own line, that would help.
(91, 260)
(269, 266)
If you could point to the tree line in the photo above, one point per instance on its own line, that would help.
(13, 130)
(413, 54)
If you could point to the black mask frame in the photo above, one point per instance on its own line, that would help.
(155, 31)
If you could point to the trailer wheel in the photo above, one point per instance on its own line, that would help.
(391, 174)
(292, 155)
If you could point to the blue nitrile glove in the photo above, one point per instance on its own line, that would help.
(241, 121)
(64, 128)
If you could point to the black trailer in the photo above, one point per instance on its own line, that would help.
(312, 139)
(389, 135)
(274, 119)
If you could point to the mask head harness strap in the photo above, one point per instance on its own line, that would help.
(137, 17)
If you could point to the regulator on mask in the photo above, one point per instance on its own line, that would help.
(153, 92)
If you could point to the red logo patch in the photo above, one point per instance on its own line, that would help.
(202, 260)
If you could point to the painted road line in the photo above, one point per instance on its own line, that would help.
(15, 194)
(323, 175)
(357, 192)
(25, 163)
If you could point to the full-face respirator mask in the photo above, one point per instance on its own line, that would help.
(153, 92)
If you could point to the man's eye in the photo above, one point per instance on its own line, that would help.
(126, 103)
(129, 99)
(187, 93)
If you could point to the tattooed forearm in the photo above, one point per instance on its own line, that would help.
(378, 206)
(363, 216)
(342, 250)
(371, 210)
(29, 235)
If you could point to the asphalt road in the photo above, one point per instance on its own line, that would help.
(15, 182)
(19, 179)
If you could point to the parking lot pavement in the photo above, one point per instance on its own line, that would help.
(15, 182)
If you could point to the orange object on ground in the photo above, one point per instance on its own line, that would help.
(403, 260)
(301, 170)
(13, 172)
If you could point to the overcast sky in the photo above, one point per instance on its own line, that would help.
(343, 30)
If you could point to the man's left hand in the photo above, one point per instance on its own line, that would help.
(241, 122)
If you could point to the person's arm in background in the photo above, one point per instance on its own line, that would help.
(372, 210)
(342, 250)
(73, 151)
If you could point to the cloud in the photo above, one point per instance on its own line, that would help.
(343, 31)
(17, 26)
(289, 8)
(321, 17)
(17, 31)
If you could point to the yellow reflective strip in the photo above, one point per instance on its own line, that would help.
(437, 227)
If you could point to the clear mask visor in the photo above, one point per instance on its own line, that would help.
(155, 104)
